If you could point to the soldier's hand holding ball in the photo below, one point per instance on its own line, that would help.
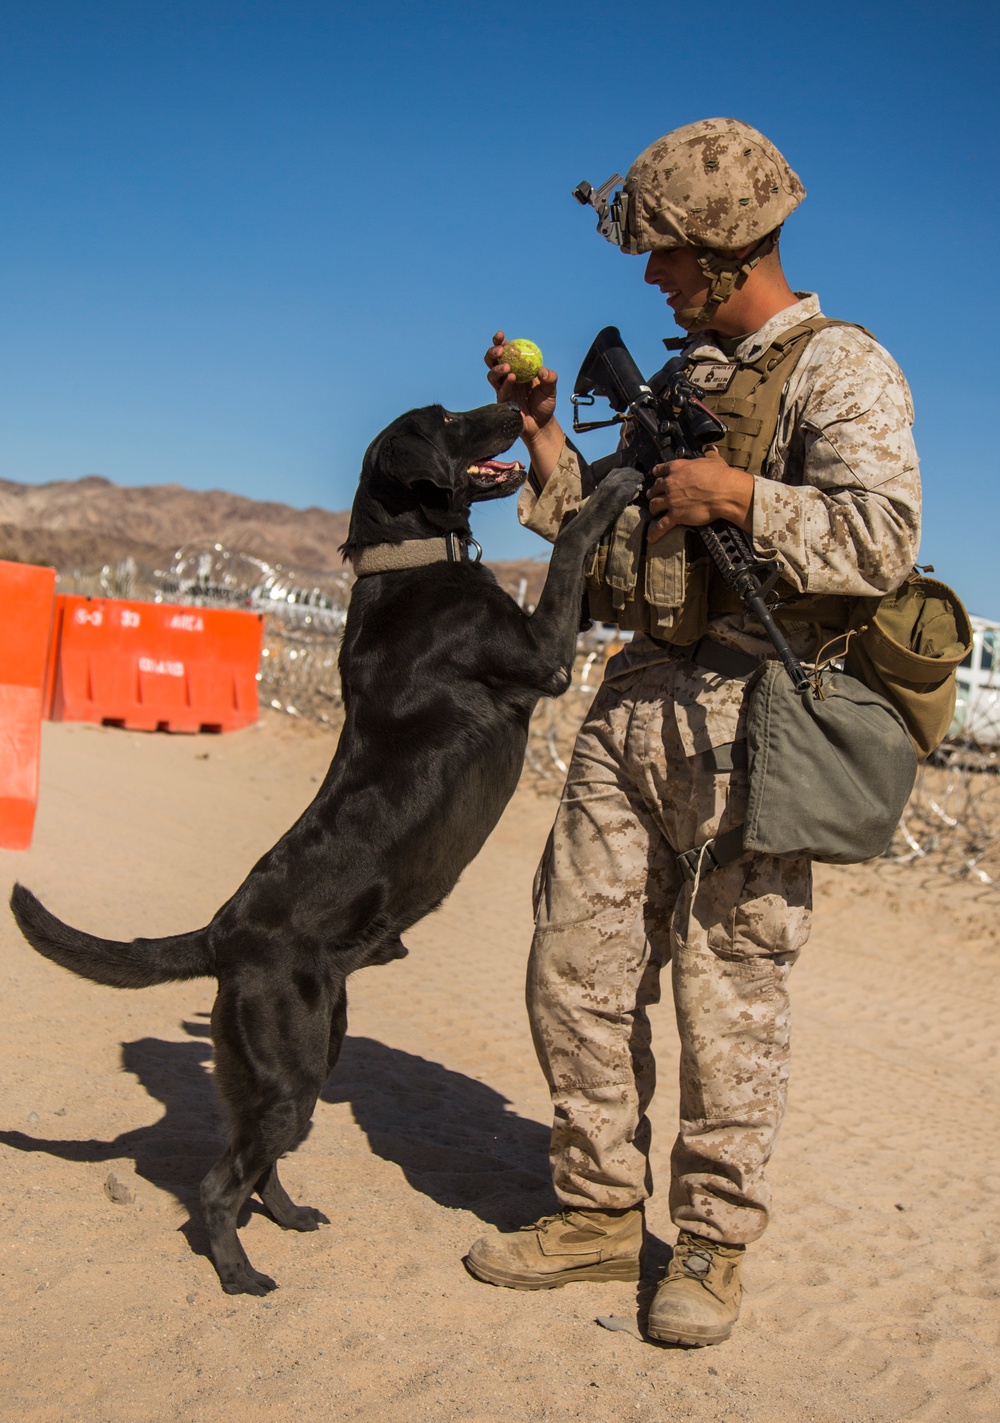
(516, 373)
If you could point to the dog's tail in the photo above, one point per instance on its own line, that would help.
(139, 964)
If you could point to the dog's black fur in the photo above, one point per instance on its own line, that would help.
(441, 671)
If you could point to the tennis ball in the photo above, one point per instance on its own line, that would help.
(524, 359)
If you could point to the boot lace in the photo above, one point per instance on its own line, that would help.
(544, 1221)
(697, 1259)
(692, 1259)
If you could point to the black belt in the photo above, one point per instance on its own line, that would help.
(707, 653)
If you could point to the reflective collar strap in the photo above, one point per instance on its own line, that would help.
(413, 553)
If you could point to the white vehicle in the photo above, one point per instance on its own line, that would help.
(603, 634)
(977, 707)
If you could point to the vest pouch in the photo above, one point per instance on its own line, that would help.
(665, 581)
(614, 578)
(826, 613)
(625, 556)
(690, 622)
(907, 647)
(603, 603)
(600, 607)
(641, 589)
(830, 770)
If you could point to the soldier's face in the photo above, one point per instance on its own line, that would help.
(678, 276)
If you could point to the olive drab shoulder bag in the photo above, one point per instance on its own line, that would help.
(830, 769)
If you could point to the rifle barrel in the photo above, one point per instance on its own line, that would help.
(791, 664)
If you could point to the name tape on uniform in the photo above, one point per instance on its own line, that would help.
(713, 375)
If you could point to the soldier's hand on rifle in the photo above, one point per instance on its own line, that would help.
(537, 400)
(694, 492)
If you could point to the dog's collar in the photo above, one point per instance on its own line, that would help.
(414, 553)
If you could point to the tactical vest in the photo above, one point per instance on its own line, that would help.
(671, 590)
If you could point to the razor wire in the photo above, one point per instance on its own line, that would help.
(952, 820)
(303, 622)
(951, 823)
(557, 720)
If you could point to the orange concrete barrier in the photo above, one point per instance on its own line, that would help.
(27, 599)
(155, 666)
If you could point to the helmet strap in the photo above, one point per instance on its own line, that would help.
(725, 274)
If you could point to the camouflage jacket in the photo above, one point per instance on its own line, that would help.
(839, 499)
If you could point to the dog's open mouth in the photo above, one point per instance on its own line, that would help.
(496, 476)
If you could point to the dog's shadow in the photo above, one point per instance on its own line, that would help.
(454, 1138)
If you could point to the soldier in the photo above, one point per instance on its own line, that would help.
(819, 467)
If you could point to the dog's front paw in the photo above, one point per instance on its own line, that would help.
(599, 511)
(615, 491)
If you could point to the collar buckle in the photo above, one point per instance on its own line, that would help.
(457, 548)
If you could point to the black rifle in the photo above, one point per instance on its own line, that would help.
(667, 424)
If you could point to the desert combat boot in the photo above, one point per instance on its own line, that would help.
(574, 1245)
(698, 1300)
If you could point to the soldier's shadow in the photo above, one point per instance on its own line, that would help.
(454, 1138)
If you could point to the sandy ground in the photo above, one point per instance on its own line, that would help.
(874, 1296)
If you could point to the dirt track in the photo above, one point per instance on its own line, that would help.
(874, 1296)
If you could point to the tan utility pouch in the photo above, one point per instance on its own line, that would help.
(907, 647)
(656, 590)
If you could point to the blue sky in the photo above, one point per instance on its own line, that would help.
(238, 239)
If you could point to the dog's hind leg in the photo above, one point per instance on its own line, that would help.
(282, 1209)
(270, 1190)
(249, 1158)
(270, 1062)
(338, 1029)
(386, 951)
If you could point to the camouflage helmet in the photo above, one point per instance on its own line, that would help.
(717, 184)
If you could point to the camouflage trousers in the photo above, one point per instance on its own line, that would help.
(613, 911)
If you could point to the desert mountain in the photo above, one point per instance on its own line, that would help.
(82, 524)
(86, 522)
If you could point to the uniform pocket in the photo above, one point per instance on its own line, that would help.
(770, 915)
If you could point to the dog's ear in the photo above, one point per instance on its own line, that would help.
(413, 456)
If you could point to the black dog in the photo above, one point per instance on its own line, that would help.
(441, 671)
